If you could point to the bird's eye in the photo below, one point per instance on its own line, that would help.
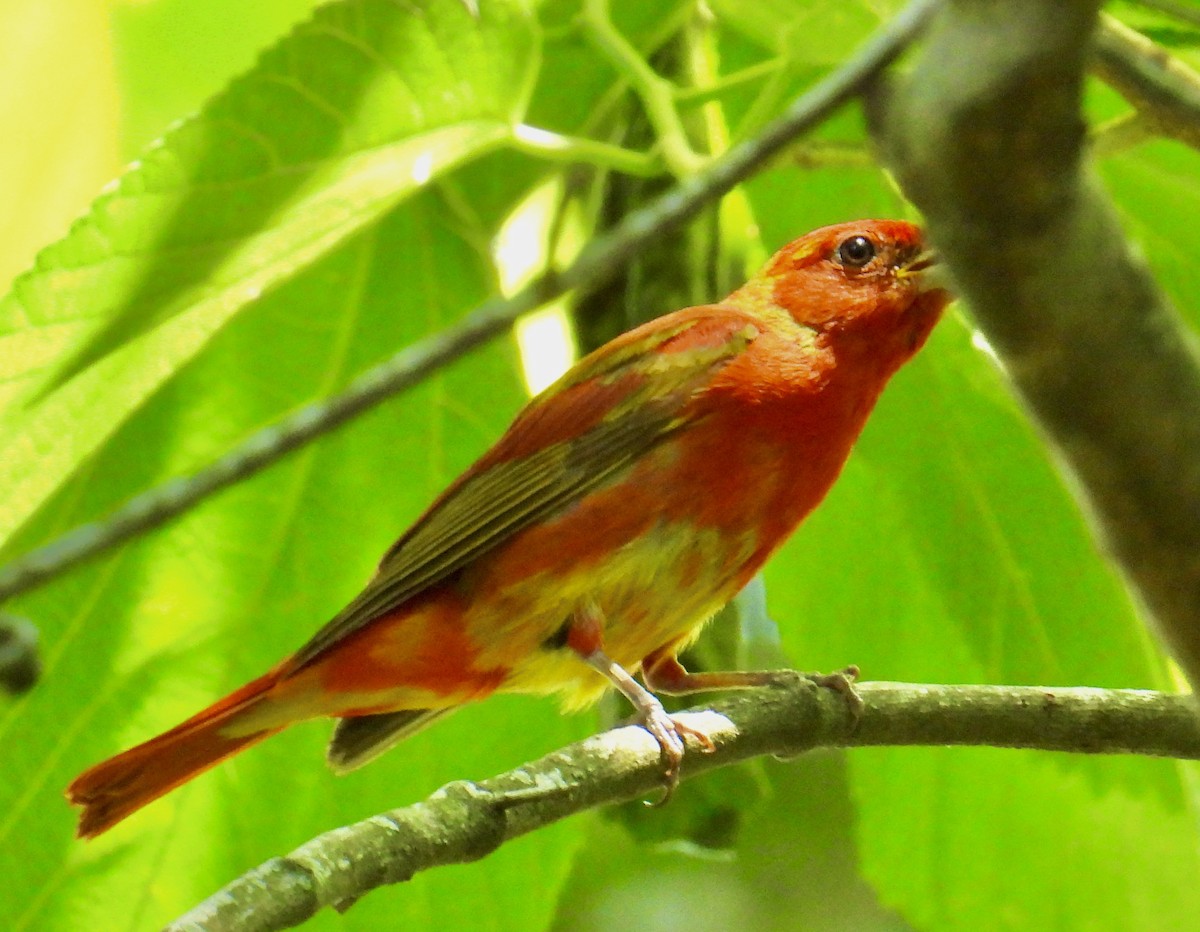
(856, 252)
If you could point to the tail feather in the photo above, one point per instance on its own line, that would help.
(359, 740)
(120, 786)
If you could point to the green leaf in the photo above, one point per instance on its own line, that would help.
(812, 33)
(970, 838)
(174, 621)
(171, 56)
(1158, 191)
(355, 111)
(59, 56)
(950, 551)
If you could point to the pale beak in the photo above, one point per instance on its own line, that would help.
(928, 270)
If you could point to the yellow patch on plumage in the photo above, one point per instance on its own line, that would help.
(806, 249)
(616, 362)
(631, 587)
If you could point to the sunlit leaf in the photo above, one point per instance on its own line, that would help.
(355, 111)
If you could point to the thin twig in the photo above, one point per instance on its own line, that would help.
(493, 317)
(657, 94)
(1165, 90)
(466, 821)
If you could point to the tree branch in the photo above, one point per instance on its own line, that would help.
(1165, 91)
(494, 317)
(986, 137)
(464, 821)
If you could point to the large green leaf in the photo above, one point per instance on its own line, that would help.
(823, 32)
(1157, 192)
(59, 57)
(193, 45)
(355, 111)
(178, 619)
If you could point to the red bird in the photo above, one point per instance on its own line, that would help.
(622, 508)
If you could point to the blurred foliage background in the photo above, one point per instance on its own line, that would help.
(288, 218)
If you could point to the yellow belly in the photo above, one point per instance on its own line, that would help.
(657, 589)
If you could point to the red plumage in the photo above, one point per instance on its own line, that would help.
(622, 507)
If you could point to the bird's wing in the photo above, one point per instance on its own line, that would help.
(598, 420)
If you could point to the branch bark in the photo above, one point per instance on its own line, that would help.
(465, 821)
(1165, 91)
(986, 138)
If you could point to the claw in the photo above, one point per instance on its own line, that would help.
(843, 682)
(670, 733)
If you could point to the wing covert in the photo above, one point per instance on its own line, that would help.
(645, 379)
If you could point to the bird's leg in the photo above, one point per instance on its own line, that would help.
(663, 673)
(586, 639)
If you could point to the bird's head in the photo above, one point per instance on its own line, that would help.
(861, 282)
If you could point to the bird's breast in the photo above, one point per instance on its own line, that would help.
(658, 550)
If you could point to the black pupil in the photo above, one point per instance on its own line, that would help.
(856, 252)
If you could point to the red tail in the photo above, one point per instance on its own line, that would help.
(121, 785)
